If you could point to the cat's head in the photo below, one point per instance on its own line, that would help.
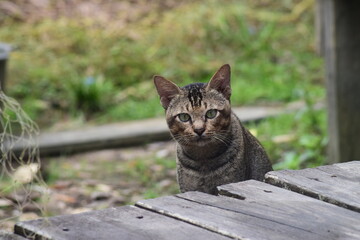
(197, 113)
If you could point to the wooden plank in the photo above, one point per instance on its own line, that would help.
(338, 184)
(127, 222)
(342, 59)
(10, 236)
(101, 137)
(349, 171)
(128, 133)
(256, 210)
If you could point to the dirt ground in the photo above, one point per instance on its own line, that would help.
(93, 180)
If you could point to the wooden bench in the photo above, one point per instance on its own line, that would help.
(318, 203)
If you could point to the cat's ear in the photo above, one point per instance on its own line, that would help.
(221, 81)
(166, 89)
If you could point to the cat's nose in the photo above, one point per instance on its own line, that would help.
(199, 131)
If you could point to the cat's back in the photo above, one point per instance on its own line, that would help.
(254, 155)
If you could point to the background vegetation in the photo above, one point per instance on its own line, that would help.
(77, 62)
(81, 62)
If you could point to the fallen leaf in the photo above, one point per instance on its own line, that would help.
(65, 198)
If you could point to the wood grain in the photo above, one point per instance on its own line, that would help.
(132, 133)
(5, 236)
(338, 184)
(257, 210)
(127, 222)
(342, 63)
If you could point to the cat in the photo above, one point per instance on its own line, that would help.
(213, 147)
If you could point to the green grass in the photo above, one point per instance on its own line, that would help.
(141, 175)
(63, 68)
(67, 68)
(294, 141)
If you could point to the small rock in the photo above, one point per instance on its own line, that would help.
(28, 216)
(79, 210)
(5, 203)
(103, 188)
(30, 207)
(162, 153)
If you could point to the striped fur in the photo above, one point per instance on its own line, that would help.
(211, 151)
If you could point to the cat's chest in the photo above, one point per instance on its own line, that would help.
(192, 180)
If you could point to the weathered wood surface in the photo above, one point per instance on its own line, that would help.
(8, 236)
(127, 222)
(338, 184)
(245, 210)
(340, 27)
(257, 210)
(129, 133)
(101, 137)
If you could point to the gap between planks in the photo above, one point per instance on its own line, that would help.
(337, 184)
(266, 216)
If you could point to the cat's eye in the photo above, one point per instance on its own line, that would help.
(184, 117)
(211, 113)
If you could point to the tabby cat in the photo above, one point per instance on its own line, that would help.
(213, 148)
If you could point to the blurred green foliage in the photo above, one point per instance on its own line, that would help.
(272, 58)
(64, 68)
(292, 140)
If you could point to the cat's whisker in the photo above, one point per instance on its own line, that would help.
(223, 139)
(220, 136)
(210, 146)
(182, 139)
